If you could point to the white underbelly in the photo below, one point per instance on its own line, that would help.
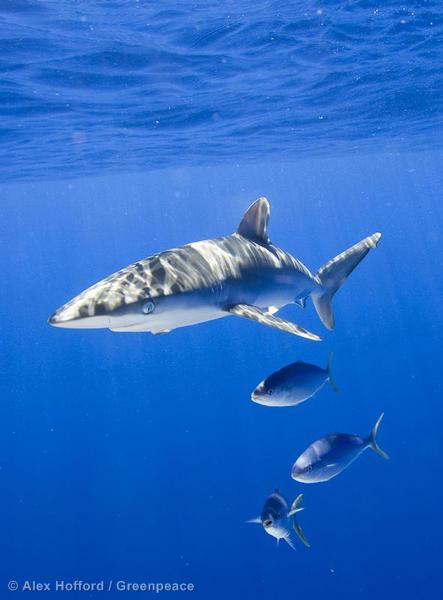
(173, 320)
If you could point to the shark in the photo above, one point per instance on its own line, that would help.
(243, 274)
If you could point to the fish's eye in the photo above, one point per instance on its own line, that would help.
(148, 307)
(270, 391)
(309, 468)
(268, 523)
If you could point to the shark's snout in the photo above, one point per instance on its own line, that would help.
(77, 315)
(57, 319)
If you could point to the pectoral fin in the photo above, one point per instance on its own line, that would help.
(256, 314)
(255, 520)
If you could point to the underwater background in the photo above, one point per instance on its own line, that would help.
(132, 127)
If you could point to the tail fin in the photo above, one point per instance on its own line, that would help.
(300, 533)
(332, 274)
(329, 369)
(372, 441)
(295, 508)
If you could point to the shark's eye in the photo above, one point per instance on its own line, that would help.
(148, 307)
(309, 468)
(268, 523)
(270, 391)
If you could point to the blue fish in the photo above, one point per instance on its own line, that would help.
(278, 519)
(293, 384)
(330, 455)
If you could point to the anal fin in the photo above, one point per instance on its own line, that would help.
(289, 541)
(256, 314)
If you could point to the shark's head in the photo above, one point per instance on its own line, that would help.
(80, 313)
(76, 314)
(115, 302)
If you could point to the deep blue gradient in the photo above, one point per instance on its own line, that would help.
(127, 85)
(131, 127)
(141, 457)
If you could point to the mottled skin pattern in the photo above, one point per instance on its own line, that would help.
(217, 266)
(242, 274)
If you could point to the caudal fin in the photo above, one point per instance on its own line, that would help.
(372, 443)
(331, 379)
(332, 274)
(295, 508)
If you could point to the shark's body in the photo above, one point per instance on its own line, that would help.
(242, 274)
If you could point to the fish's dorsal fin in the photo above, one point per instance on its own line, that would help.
(254, 225)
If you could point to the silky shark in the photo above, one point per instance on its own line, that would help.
(242, 274)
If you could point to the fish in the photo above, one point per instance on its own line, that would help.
(242, 274)
(278, 519)
(293, 384)
(331, 455)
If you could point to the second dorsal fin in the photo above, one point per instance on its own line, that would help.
(254, 225)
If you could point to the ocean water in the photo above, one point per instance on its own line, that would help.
(132, 127)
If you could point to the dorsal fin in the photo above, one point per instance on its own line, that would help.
(254, 224)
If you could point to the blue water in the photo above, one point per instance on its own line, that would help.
(117, 85)
(140, 458)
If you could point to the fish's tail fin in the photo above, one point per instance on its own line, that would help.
(372, 443)
(332, 383)
(332, 274)
(295, 508)
(300, 533)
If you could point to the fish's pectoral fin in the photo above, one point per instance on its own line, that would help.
(254, 225)
(254, 313)
(255, 520)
